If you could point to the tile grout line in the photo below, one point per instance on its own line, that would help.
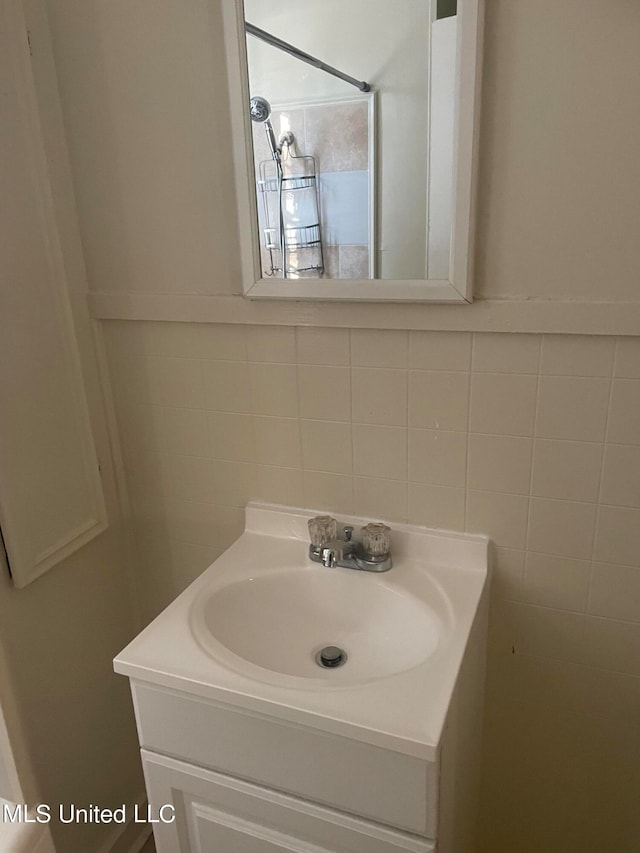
(599, 504)
(244, 330)
(406, 426)
(532, 462)
(472, 351)
(353, 449)
(298, 416)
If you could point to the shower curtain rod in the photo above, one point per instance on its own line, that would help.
(263, 35)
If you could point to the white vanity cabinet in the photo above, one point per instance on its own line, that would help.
(258, 760)
(215, 813)
(244, 782)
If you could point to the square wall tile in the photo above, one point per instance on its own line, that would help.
(437, 457)
(500, 463)
(322, 346)
(618, 536)
(577, 355)
(325, 392)
(502, 404)
(440, 350)
(505, 353)
(502, 517)
(142, 429)
(436, 506)
(184, 431)
(226, 386)
(130, 385)
(380, 451)
(508, 573)
(274, 389)
(328, 492)
(278, 441)
(566, 469)
(379, 348)
(615, 592)
(624, 417)
(612, 645)
(558, 582)
(572, 408)
(627, 364)
(379, 396)
(124, 338)
(225, 341)
(172, 381)
(271, 343)
(439, 400)
(550, 633)
(621, 475)
(326, 446)
(231, 436)
(169, 339)
(205, 524)
(279, 485)
(212, 481)
(561, 528)
(380, 499)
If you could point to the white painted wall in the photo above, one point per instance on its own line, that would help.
(151, 154)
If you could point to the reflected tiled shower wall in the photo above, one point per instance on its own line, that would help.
(337, 135)
(534, 440)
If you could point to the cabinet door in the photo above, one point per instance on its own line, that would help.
(221, 814)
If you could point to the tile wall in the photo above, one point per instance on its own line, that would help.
(534, 440)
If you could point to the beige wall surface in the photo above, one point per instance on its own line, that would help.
(531, 439)
(144, 98)
(68, 714)
(148, 132)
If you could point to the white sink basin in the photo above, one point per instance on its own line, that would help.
(280, 619)
(247, 631)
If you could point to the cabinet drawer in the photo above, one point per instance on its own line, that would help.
(387, 787)
(226, 815)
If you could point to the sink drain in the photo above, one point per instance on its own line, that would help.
(331, 657)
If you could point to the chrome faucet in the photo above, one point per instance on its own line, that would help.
(371, 552)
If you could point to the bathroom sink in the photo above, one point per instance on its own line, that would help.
(261, 628)
(281, 619)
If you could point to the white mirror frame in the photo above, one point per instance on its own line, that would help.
(458, 287)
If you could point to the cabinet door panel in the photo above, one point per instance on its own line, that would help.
(51, 500)
(220, 814)
(243, 836)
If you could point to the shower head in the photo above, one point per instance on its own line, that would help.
(260, 109)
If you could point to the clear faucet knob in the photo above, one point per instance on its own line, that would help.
(322, 529)
(376, 539)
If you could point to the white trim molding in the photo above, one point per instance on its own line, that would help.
(579, 317)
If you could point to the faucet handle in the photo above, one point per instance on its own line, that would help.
(376, 539)
(322, 529)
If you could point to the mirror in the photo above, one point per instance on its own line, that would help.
(355, 128)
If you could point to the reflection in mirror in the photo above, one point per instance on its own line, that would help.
(353, 164)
